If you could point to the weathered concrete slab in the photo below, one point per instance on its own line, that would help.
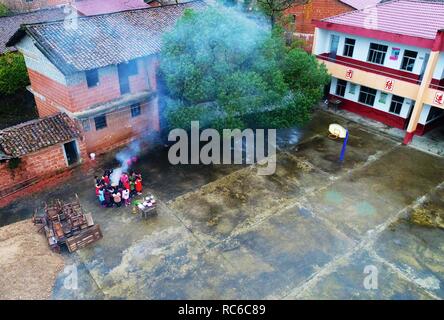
(225, 232)
(415, 246)
(243, 198)
(282, 252)
(362, 277)
(323, 152)
(366, 198)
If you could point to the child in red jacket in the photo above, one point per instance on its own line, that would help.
(138, 184)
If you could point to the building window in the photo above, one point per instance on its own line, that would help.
(293, 19)
(132, 68)
(135, 110)
(396, 105)
(92, 78)
(367, 96)
(383, 98)
(349, 47)
(377, 53)
(408, 61)
(86, 125)
(100, 122)
(352, 88)
(340, 87)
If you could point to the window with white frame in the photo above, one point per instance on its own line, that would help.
(340, 87)
(367, 96)
(396, 104)
(349, 47)
(377, 53)
(408, 61)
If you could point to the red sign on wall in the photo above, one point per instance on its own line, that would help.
(389, 84)
(349, 74)
(439, 98)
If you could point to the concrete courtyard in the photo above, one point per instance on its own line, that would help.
(307, 232)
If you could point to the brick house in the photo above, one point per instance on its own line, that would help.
(300, 16)
(102, 73)
(31, 5)
(45, 146)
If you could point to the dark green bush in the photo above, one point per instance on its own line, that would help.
(14, 163)
(13, 73)
(4, 11)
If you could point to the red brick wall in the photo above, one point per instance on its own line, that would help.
(314, 9)
(79, 97)
(43, 163)
(121, 128)
(22, 5)
(49, 95)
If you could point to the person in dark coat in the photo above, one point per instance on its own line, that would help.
(108, 198)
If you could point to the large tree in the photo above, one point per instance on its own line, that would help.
(274, 8)
(227, 71)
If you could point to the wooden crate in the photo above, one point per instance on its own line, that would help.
(84, 238)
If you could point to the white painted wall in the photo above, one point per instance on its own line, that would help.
(36, 61)
(362, 48)
(378, 105)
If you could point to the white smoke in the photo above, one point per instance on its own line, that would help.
(126, 158)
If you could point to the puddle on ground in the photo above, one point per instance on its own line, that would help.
(366, 209)
(334, 197)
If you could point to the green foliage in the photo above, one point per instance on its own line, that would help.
(13, 73)
(226, 71)
(4, 11)
(14, 163)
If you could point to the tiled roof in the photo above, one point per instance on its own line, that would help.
(109, 39)
(417, 18)
(10, 24)
(38, 134)
(360, 4)
(94, 7)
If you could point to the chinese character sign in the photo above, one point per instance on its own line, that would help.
(389, 84)
(349, 74)
(439, 98)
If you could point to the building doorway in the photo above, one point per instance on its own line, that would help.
(71, 152)
(123, 78)
(334, 43)
(125, 70)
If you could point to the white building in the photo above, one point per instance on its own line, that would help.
(387, 62)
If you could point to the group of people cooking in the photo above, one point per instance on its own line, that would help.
(115, 194)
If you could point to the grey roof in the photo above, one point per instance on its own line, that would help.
(10, 24)
(107, 39)
(34, 135)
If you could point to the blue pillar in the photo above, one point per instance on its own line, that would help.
(344, 147)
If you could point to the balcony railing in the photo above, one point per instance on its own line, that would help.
(370, 67)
